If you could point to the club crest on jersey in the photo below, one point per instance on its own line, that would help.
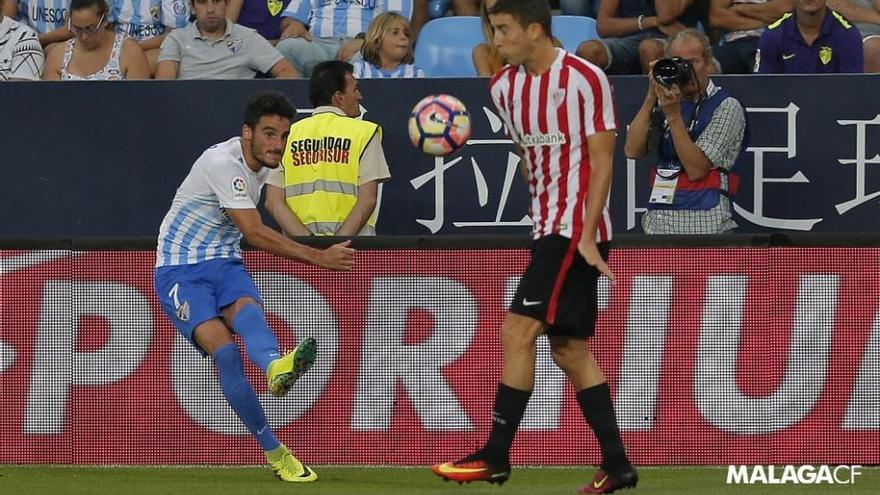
(550, 139)
(239, 188)
(179, 7)
(275, 7)
(183, 311)
(557, 96)
(233, 45)
(825, 55)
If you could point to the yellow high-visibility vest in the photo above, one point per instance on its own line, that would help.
(321, 169)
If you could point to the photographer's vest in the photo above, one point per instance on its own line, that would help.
(321, 170)
(705, 193)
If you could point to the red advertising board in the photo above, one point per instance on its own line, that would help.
(715, 356)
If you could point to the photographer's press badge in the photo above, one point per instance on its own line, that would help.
(663, 192)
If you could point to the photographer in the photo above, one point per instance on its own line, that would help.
(698, 135)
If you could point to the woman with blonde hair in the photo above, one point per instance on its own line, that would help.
(387, 50)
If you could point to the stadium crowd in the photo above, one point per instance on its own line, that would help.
(240, 39)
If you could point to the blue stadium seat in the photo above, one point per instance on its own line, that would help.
(444, 46)
(571, 30)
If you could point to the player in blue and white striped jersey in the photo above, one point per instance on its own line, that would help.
(148, 21)
(216, 203)
(387, 50)
(48, 18)
(197, 227)
(315, 30)
(203, 286)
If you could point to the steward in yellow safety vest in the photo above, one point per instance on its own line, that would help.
(332, 163)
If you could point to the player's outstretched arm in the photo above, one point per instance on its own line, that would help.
(336, 257)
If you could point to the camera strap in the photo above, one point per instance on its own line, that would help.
(693, 120)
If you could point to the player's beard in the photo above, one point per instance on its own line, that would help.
(257, 153)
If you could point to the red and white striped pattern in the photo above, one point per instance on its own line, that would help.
(573, 100)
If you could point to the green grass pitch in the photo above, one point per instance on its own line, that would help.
(346, 480)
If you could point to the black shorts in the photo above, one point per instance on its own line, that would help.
(559, 288)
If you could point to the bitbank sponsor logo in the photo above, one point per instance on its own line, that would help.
(791, 474)
(530, 140)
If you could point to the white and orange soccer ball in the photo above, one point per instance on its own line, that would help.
(439, 125)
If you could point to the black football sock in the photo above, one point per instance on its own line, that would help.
(596, 406)
(510, 404)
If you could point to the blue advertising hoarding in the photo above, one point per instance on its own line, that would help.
(105, 159)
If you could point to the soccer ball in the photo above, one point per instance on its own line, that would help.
(439, 125)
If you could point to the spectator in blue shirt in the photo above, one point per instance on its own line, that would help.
(811, 39)
(262, 15)
(743, 22)
(865, 14)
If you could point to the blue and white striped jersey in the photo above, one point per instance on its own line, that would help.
(44, 16)
(197, 228)
(145, 19)
(342, 18)
(366, 70)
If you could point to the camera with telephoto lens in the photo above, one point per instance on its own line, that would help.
(675, 70)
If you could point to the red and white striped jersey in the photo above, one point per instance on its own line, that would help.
(551, 115)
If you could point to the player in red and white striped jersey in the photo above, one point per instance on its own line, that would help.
(551, 117)
(559, 111)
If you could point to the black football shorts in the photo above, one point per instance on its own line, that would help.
(559, 288)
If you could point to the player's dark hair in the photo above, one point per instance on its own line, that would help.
(526, 12)
(328, 78)
(84, 4)
(266, 103)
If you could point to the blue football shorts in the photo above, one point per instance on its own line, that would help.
(193, 294)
